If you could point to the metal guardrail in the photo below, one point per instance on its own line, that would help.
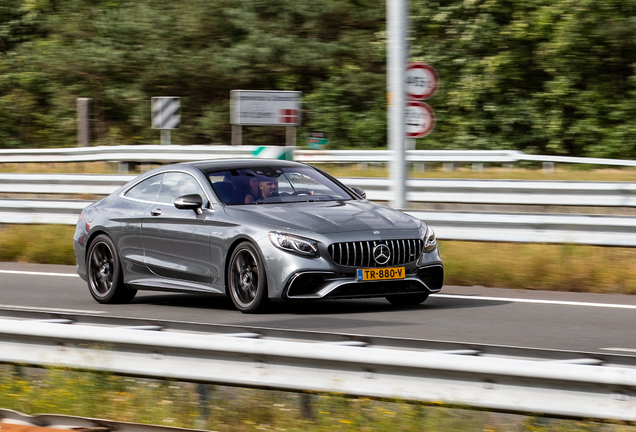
(515, 192)
(178, 153)
(511, 192)
(24, 211)
(478, 226)
(557, 388)
(495, 227)
(97, 318)
(596, 230)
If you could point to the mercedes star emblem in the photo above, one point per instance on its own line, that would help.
(381, 254)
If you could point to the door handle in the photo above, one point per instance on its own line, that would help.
(156, 212)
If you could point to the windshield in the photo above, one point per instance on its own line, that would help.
(262, 185)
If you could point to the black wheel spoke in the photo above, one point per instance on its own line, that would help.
(95, 260)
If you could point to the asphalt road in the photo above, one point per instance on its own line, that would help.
(538, 319)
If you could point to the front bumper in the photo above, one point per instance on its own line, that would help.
(312, 285)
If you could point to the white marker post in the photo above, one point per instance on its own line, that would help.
(166, 115)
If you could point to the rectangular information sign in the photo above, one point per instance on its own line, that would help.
(265, 108)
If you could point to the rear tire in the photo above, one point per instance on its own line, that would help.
(247, 280)
(407, 299)
(105, 276)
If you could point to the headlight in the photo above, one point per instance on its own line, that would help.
(294, 244)
(430, 242)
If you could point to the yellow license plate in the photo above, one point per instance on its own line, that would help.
(381, 273)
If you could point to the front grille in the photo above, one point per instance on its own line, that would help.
(360, 254)
(374, 289)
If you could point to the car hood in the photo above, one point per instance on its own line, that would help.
(325, 217)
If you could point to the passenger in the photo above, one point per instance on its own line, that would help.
(255, 192)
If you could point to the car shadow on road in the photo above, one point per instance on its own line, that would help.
(196, 301)
(322, 307)
(329, 307)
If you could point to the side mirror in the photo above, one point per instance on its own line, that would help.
(360, 192)
(189, 202)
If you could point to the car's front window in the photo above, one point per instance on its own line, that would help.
(260, 185)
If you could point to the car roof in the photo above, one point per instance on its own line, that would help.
(228, 164)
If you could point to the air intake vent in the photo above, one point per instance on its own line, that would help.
(360, 254)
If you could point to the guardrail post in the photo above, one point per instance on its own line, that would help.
(448, 166)
(204, 405)
(478, 167)
(548, 167)
(305, 406)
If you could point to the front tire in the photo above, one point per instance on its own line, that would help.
(407, 299)
(247, 280)
(105, 276)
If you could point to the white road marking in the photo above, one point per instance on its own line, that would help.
(630, 350)
(39, 273)
(46, 309)
(536, 301)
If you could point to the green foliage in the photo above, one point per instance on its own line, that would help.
(120, 54)
(543, 76)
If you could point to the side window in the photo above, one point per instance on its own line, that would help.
(178, 184)
(147, 190)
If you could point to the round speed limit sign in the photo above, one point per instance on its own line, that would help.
(419, 118)
(421, 81)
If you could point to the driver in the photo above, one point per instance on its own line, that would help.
(269, 187)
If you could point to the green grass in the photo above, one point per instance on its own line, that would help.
(564, 267)
(177, 404)
(45, 244)
(506, 265)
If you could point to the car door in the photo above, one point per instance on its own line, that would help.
(177, 242)
(134, 204)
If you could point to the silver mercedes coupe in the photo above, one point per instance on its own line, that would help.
(256, 230)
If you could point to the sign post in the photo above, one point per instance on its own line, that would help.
(83, 124)
(396, 25)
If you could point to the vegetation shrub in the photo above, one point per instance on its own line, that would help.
(542, 76)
